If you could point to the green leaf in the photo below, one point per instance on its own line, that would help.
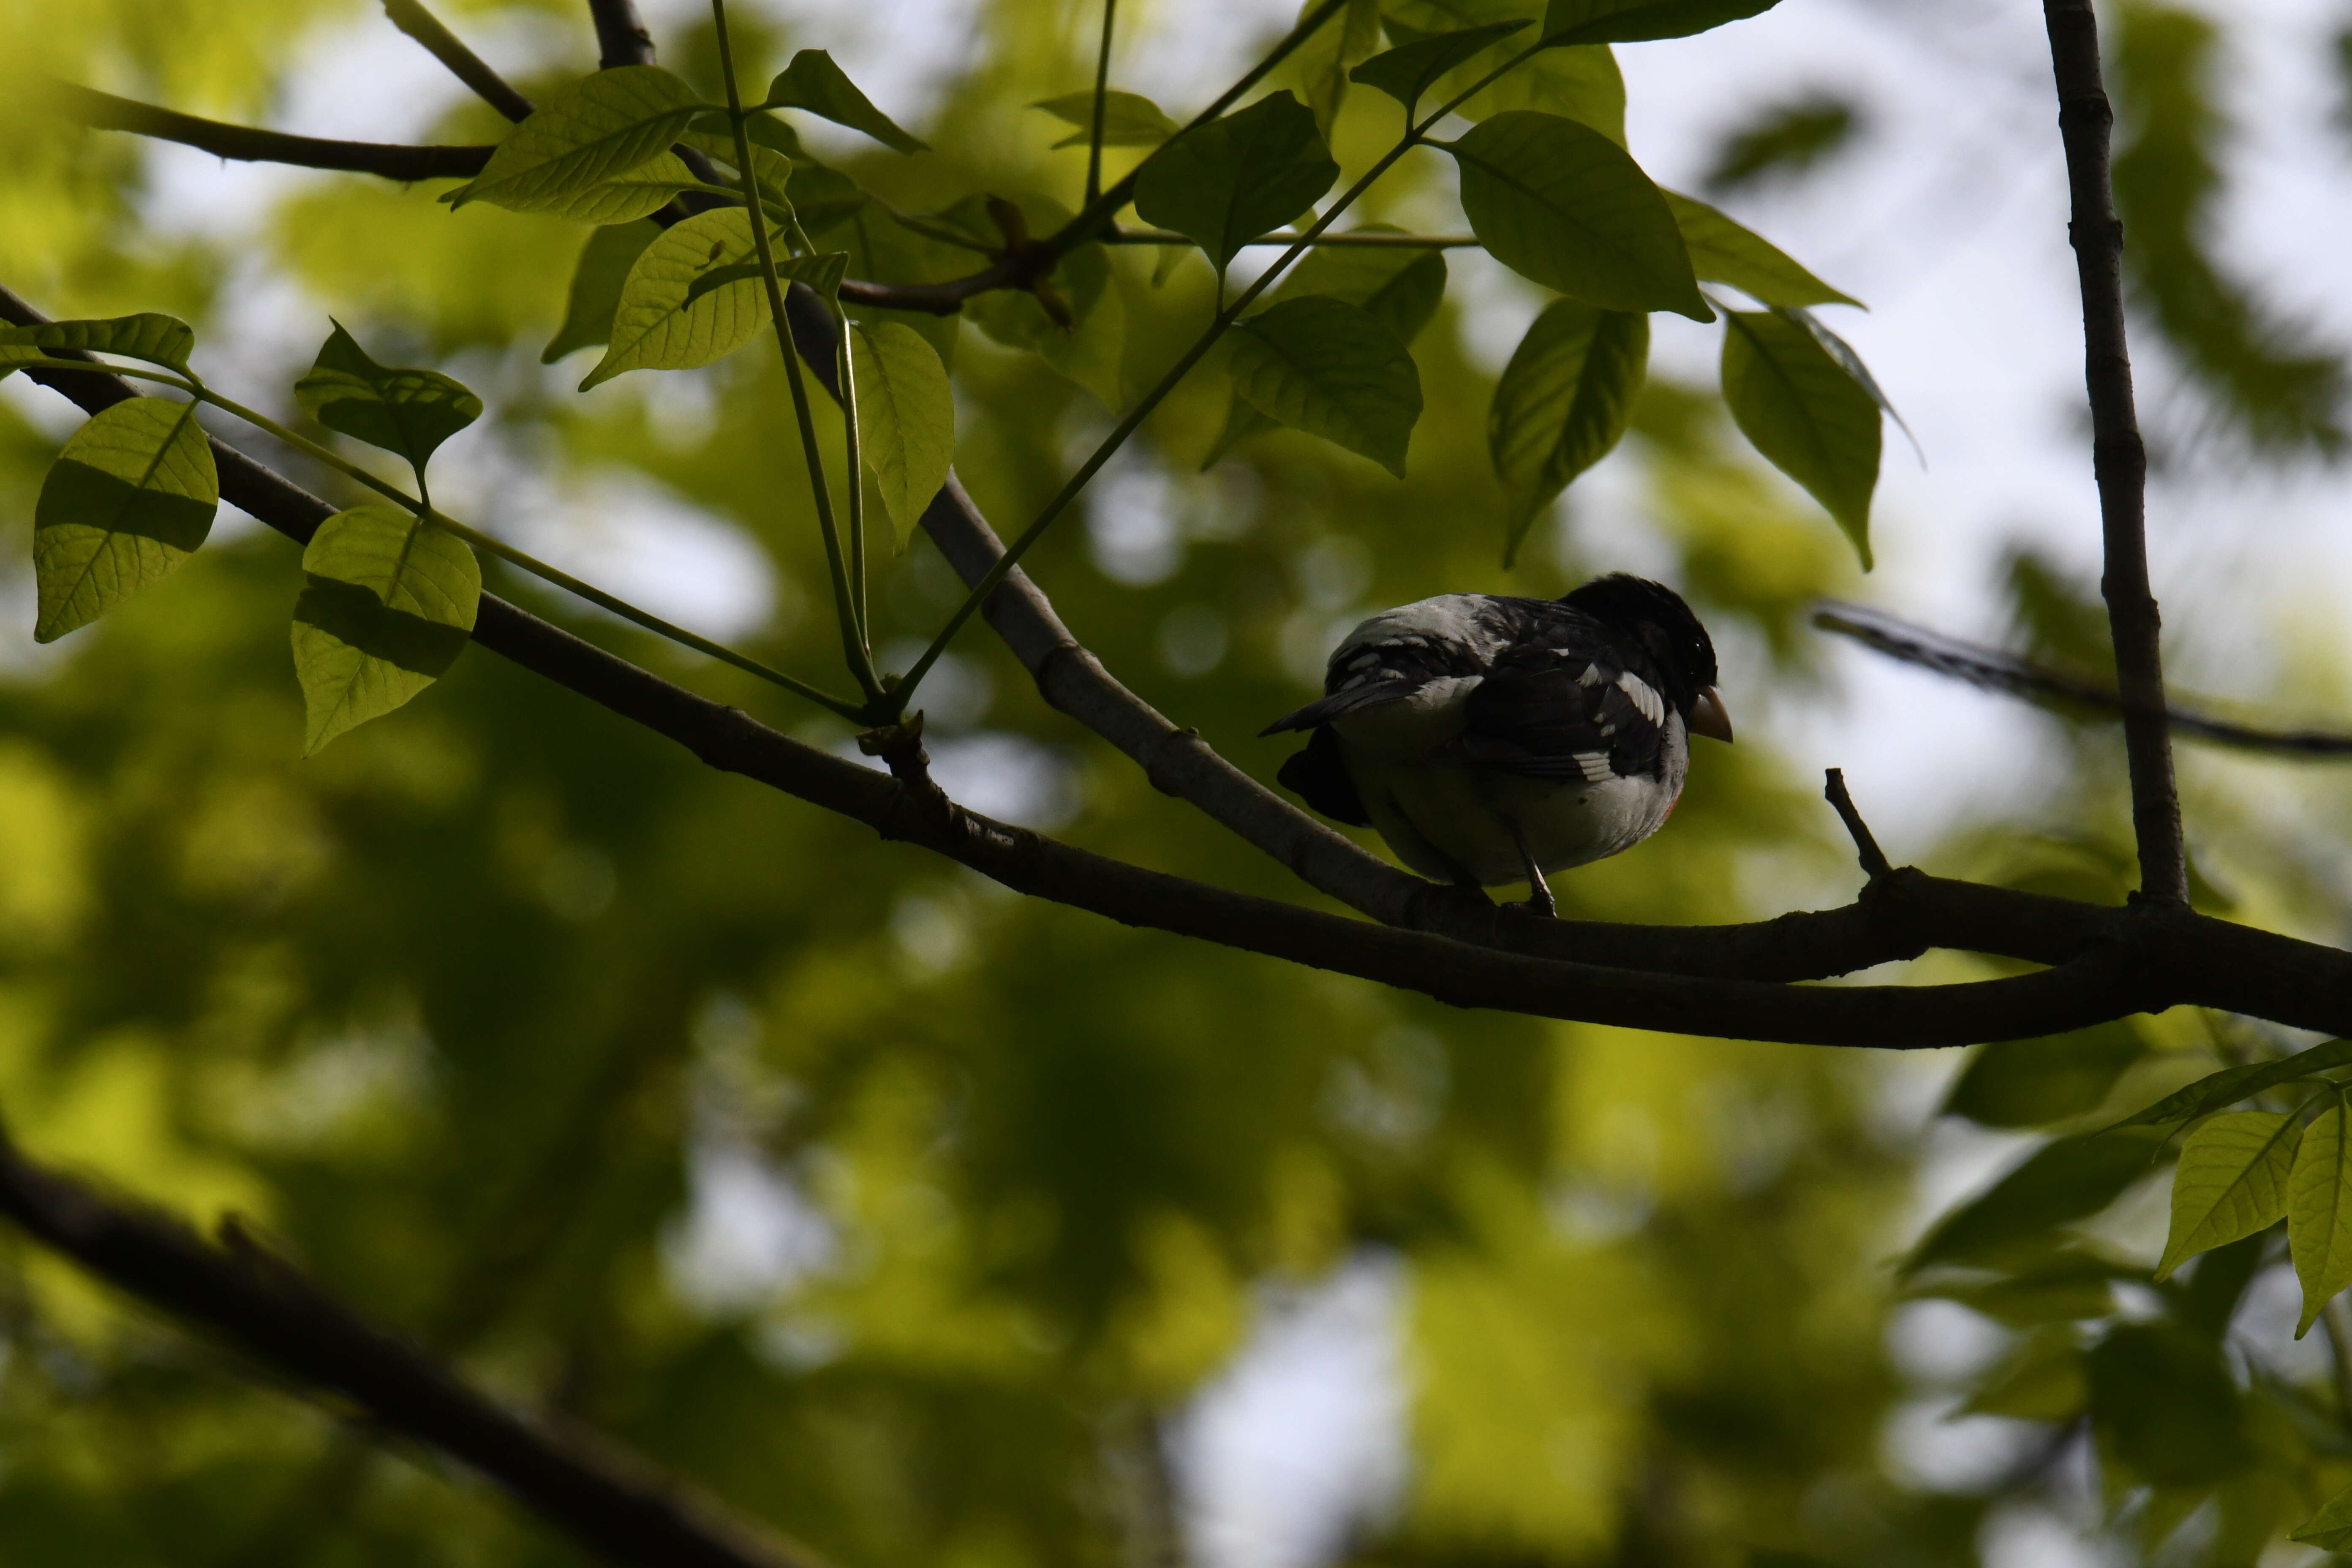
(1330, 370)
(906, 419)
(612, 130)
(605, 264)
(2231, 1182)
(1090, 351)
(1319, 67)
(815, 83)
(2231, 1085)
(1721, 251)
(1582, 83)
(2163, 1404)
(2060, 1287)
(158, 339)
(408, 413)
(1223, 183)
(2063, 1181)
(387, 605)
(131, 496)
(656, 327)
(2330, 1529)
(1806, 413)
(1560, 204)
(2319, 1211)
(823, 272)
(1405, 72)
(1129, 119)
(2043, 1378)
(2025, 1083)
(1630, 21)
(1398, 287)
(1562, 404)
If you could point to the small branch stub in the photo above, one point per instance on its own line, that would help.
(1874, 863)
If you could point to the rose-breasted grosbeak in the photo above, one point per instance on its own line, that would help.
(1491, 739)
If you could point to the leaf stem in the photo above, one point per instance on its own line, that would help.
(1102, 81)
(844, 599)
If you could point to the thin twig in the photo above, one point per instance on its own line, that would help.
(105, 112)
(612, 1503)
(1102, 99)
(411, 18)
(1995, 670)
(1874, 859)
(2118, 455)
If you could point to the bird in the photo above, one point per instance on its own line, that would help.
(1490, 738)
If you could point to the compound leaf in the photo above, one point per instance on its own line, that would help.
(1223, 183)
(388, 601)
(2319, 1211)
(906, 419)
(815, 83)
(2231, 1085)
(1562, 404)
(1331, 370)
(408, 413)
(131, 496)
(2231, 1182)
(1806, 413)
(1560, 204)
(663, 322)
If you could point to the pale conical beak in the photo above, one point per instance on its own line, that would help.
(1707, 717)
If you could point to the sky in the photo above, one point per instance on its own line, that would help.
(1949, 220)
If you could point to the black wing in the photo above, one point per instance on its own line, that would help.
(1561, 709)
(1318, 777)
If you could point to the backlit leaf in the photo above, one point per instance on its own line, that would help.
(906, 419)
(823, 272)
(815, 83)
(1330, 370)
(2062, 1182)
(388, 603)
(1560, 204)
(406, 412)
(2319, 1212)
(1628, 21)
(603, 129)
(2330, 1529)
(1129, 119)
(1805, 413)
(1223, 183)
(131, 496)
(2231, 1182)
(1406, 72)
(2230, 1085)
(1582, 83)
(656, 328)
(1319, 68)
(156, 338)
(1721, 251)
(605, 264)
(1562, 404)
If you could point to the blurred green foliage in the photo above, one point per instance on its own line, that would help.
(493, 1010)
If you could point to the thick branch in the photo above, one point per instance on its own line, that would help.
(108, 112)
(411, 18)
(610, 1502)
(621, 35)
(1994, 671)
(2118, 455)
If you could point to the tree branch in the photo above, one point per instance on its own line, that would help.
(2110, 961)
(610, 1502)
(2118, 455)
(1994, 671)
(411, 18)
(107, 112)
(621, 35)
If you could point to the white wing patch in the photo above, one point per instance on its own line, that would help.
(1649, 703)
(1595, 765)
(1591, 676)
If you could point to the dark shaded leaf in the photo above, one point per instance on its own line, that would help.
(1560, 204)
(408, 413)
(131, 496)
(387, 605)
(1330, 370)
(1630, 21)
(2218, 1282)
(2024, 1083)
(2163, 1404)
(815, 83)
(1223, 183)
(1805, 413)
(151, 336)
(2063, 1181)
(1405, 72)
(1784, 139)
(1319, 68)
(1129, 119)
(2057, 1286)
(2043, 1378)
(823, 272)
(2230, 1085)
(1562, 404)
